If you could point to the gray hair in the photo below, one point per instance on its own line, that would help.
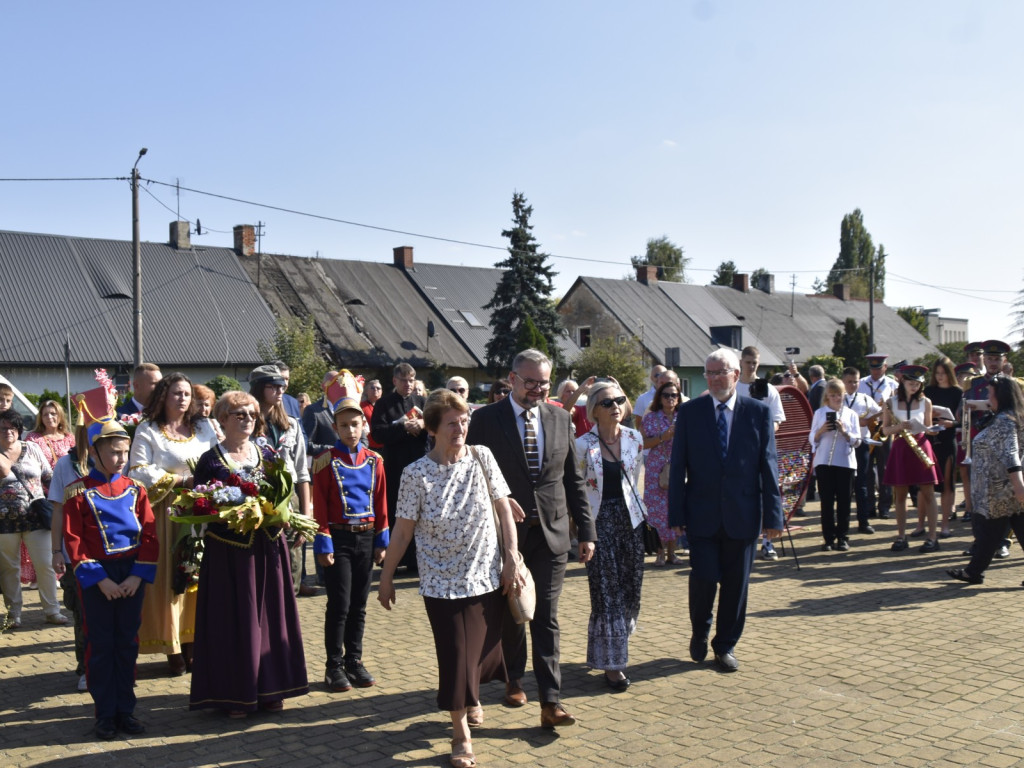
(563, 385)
(531, 356)
(725, 356)
(816, 371)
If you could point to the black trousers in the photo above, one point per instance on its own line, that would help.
(720, 560)
(548, 570)
(348, 587)
(989, 535)
(876, 462)
(834, 489)
(860, 484)
(111, 629)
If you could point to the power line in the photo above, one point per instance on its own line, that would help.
(74, 178)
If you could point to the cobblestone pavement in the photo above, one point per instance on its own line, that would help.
(865, 658)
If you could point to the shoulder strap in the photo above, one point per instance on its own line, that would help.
(494, 509)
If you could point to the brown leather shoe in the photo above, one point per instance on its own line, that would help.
(555, 716)
(306, 590)
(515, 696)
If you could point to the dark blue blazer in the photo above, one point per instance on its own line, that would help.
(739, 494)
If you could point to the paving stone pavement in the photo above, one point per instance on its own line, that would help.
(860, 658)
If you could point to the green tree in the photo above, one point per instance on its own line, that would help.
(221, 384)
(833, 365)
(915, 318)
(530, 337)
(618, 359)
(294, 342)
(857, 254)
(524, 291)
(666, 256)
(724, 274)
(851, 344)
(954, 350)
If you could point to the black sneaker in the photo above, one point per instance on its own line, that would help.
(336, 680)
(932, 545)
(128, 724)
(843, 545)
(359, 676)
(105, 729)
(899, 545)
(865, 528)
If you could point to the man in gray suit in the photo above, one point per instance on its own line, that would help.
(535, 447)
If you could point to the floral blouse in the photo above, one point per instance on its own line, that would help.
(456, 543)
(157, 455)
(53, 447)
(631, 451)
(16, 514)
(996, 450)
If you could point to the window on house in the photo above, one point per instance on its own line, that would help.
(470, 319)
(583, 336)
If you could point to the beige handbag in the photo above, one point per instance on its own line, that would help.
(522, 601)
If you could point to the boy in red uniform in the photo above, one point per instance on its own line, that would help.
(350, 507)
(110, 535)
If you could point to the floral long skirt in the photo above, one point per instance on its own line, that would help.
(616, 575)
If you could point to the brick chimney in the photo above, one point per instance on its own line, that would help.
(841, 291)
(245, 239)
(179, 235)
(766, 283)
(741, 282)
(403, 256)
(646, 274)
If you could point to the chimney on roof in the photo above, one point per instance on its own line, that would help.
(245, 239)
(741, 282)
(841, 291)
(179, 235)
(647, 274)
(766, 283)
(403, 256)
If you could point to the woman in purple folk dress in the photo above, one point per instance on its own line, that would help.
(658, 428)
(248, 649)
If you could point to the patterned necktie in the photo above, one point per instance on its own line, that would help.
(723, 429)
(530, 446)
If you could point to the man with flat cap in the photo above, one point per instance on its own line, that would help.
(879, 388)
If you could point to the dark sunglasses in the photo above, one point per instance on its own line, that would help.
(673, 395)
(610, 401)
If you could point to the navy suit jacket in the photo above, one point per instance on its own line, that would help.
(738, 494)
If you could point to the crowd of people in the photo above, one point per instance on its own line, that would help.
(484, 505)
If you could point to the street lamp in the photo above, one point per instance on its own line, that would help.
(137, 260)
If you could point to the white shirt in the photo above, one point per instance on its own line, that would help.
(643, 403)
(773, 401)
(842, 454)
(878, 389)
(517, 409)
(864, 406)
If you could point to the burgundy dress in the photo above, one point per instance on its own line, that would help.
(248, 646)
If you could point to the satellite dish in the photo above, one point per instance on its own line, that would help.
(430, 329)
(199, 227)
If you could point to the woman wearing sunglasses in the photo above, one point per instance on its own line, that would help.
(611, 456)
(659, 427)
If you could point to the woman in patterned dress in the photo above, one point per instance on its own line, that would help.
(659, 427)
(446, 499)
(171, 436)
(611, 457)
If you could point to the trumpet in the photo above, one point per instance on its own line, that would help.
(965, 432)
(910, 439)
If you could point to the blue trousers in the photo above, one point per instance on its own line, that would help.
(111, 629)
(719, 560)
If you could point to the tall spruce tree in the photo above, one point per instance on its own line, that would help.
(851, 344)
(524, 291)
(856, 255)
(724, 274)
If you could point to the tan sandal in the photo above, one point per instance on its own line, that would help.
(475, 716)
(462, 754)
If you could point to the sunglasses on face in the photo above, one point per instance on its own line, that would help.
(502, 392)
(610, 401)
(460, 390)
(243, 416)
(670, 395)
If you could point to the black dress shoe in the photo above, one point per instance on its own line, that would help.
(105, 729)
(617, 685)
(336, 680)
(961, 574)
(726, 662)
(128, 724)
(359, 676)
(698, 648)
(865, 529)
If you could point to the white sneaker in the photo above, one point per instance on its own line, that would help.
(768, 552)
(57, 618)
(82, 685)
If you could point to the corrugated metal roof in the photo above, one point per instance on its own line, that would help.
(199, 307)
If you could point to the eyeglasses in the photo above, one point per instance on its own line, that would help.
(502, 392)
(8, 428)
(535, 383)
(670, 395)
(243, 416)
(712, 374)
(609, 402)
(460, 390)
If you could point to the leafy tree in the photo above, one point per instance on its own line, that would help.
(833, 365)
(954, 350)
(221, 384)
(1018, 320)
(524, 291)
(48, 394)
(530, 337)
(724, 273)
(916, 319)
(856, 255)
(756, 276)
(295, 343)
(851, 343)
(618, 359)
(666, 256)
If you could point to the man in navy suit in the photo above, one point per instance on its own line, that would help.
(724, 492)
(144, 380)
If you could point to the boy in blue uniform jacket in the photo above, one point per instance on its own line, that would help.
(350, 507)
(110, 535)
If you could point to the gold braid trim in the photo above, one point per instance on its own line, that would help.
(322, 460)
(161, 489)
(76, 488)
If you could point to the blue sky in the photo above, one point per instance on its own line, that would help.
(741, 130)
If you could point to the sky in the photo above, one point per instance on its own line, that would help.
(741, 130)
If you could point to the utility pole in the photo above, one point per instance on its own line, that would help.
(792, 294)
(137, 260)
(871, 307)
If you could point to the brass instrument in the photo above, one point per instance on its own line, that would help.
(910, 439)
(965, 431)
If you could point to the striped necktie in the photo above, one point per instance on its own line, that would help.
(723, 429)
(530, 446)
